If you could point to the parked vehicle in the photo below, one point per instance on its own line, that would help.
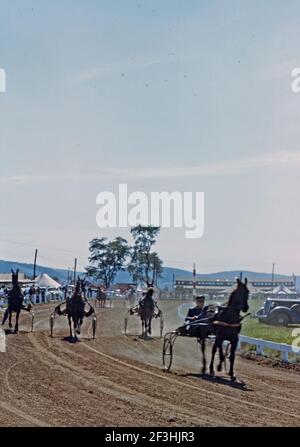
(280, 311)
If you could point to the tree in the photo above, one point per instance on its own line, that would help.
(156, 266)
(107, 259)
(144, 265)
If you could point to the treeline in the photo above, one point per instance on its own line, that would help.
(107, 258)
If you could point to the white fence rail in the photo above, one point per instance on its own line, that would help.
(261, 344)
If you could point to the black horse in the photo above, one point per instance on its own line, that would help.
(101, 297)
(147, 310)
(75, 308)
(15, 302)
(227, 326)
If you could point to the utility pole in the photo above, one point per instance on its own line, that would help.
(295, 282)
(34, 264)
(75, 268)
(273, 269)
(194, 280)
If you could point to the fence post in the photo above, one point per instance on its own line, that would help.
(2, 341)
(259, 350)
(285, 356)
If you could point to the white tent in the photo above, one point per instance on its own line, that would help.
(44, 280)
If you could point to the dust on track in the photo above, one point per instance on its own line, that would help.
(117, 380)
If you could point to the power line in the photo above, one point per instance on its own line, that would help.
(43, 246)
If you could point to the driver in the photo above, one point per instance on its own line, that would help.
(198, 311)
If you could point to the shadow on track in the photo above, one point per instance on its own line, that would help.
(219, 379)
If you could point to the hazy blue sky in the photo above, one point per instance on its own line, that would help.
(162, 95)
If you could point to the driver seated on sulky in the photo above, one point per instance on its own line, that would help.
(198, 311)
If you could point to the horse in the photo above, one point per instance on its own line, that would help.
(75, 308)
(101, 297)
(227, 326)
(146, 310)
(15, 302)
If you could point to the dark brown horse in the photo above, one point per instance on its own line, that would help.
(101, 297)
(75, 308)
(15, 302)
(227, 326)
(147, 310)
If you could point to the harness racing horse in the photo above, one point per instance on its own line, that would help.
(227, 326)
(15, 302)
(75, 309)
(101, 297)
(146, 310)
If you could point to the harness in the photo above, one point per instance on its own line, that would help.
(237, 325)
(223, 323)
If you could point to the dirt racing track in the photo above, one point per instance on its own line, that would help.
(117, 380)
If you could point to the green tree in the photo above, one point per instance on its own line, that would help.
(144, 265)
(107, 259)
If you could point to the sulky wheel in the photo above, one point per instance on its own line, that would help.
(52, 318)
(94, 326)
(167, 356)
(32, 320)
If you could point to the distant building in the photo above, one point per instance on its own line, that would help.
(183, 286)
(282, 291)
(5, 280)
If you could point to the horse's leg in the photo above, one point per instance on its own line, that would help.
(5, 316)
(79, 323)
(9, 320)
(213, 353)
(75, 328)
(17, 322)
(222, 357)
(143, 327)
(70, 326)
(149, 325)
(203, 355)
(234, 344)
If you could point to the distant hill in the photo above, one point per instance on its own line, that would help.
(6, 266)
(166, 280)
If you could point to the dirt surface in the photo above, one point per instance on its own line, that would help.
(117, 379)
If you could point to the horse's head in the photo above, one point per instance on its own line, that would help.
(241, 295)
(150, 289)
(80, 286)
(15, 277)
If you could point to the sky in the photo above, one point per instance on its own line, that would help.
(162, 96)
